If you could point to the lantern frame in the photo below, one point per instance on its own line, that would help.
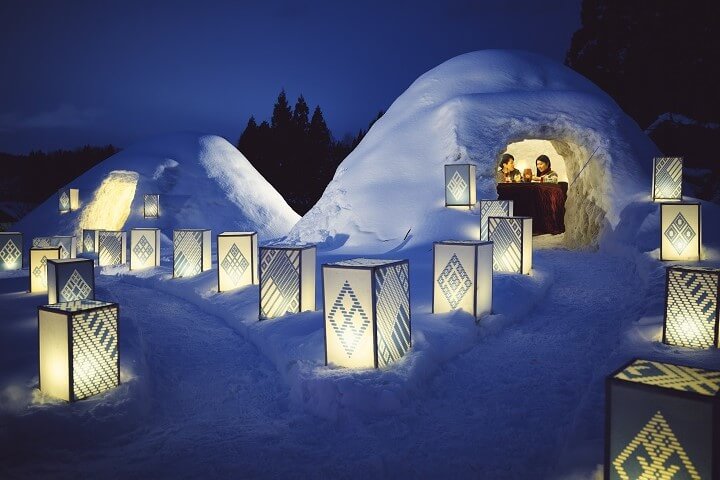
(667, 253)
(306, 277)
(19, 248)
(461, 169)
(254, 257)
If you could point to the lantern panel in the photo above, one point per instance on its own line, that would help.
(191, 252)
(144, 248)
(667, 179)
(68, 200)
(460, 185)
(493, 208)
(237, 260)
(112, 248)
(151, 205)
(462, 277)
(691, 307)
(38, 267)
(11, 248)
(512, 243)
(287, 280)
(70, 279)
(680, 227)
(90, 240)
(661, 421)
(67, 244)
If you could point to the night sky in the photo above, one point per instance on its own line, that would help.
(88, 72)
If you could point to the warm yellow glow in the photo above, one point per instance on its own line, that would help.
(526, 152)
(110, 206)
(54, 366)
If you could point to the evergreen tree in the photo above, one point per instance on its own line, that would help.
(300, 115)
(282, 115)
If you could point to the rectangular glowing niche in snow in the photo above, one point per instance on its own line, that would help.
(69, 199)
(237, 254)
(78, 343)
(667, 179)
(680, 231)
(462, 277)
(38, 267)
(144, 248)
(366, 305)
(90, 240)
(112, 248)
(70, 279)
(191, 252)
(67, 244)
(493, 208)
(691, 307)
(512, 243)
(662, 422)
(151, 205)
(11, 248)
(287, 279)
(460, 188)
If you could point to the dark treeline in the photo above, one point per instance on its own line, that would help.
(295, 151)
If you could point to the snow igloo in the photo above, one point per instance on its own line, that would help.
(389, 192)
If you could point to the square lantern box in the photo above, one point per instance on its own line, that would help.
(78, 344)
(11, 248)
(237, 254)
(667, 179)
(67, 244)
(90, 240)
(691, 307)
(191, 252)
(366, 305)
(38, 267)
(70, 279)
(493, 208)
(69, 200)
(287, 279)
(680, 231)
(462, 277)
(151, 205)
(112, 248)
(460, 188)
(662, 422)
(144, 248)
(512, 243)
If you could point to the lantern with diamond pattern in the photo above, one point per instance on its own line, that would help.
(462, 277)
(512, 243)
(144, 248)
(287, 279)
(680, 231)
(69, 200)
(366, 306)
(691, 307)
(493, 208)
(67, 244)
(70, 279)
(151, 205)
(237, 260)
(11, 248)
(38, 267)
(662, 422)
(112, 248)
(78, 348)
(460, 188)
(191, 252)
(90, 240)
(667, 179)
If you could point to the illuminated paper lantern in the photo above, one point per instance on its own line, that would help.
(460, 189)
(70, 279)
(67, 244)
(691, 307)
(11, 248)
(191, 252)
(151, 205)
(367, 312)
(287, 279)
(38, 267)
(667, 179)
(680, 231)
(69, 200)
(512, 243)
(78, 343)
(90, 240)
(662, 422)
(112, 248)
(237, 254)
(493, 208)
(462, 277)
(144, 248)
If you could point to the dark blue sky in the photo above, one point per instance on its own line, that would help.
(77, 72)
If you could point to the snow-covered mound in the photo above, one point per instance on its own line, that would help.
(468, 110)
(203, 182)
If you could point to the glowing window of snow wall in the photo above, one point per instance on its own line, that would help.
(691, 307)
(111, 203)
(680, 231)
(462, 277)
(526, 152)
(667, 179)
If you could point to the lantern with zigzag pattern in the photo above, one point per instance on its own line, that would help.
(462, 276)
(11, 248)
(287, 279)
(237, 254)
(460, 187)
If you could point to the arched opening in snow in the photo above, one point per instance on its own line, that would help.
(110, 206)
(526, 151)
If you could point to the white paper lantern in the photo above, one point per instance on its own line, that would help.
(667, 179)
(366, 306)
(90, 240)
(512, 243)
(144, 248)
(287, 279)
(11, 250)
(191, 252)
(462, 277)
(151, 205)
(68, 200)
(691, 307)
(460, 186)
(78, 348)
(38, 267)
(493, 208)
(70, 279)
(680, 231)
(237, 254)
(112, 248)
(67, 244)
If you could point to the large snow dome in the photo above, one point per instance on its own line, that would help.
(203, 182)
(389, 191)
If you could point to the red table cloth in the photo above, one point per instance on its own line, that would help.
(544, 202)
